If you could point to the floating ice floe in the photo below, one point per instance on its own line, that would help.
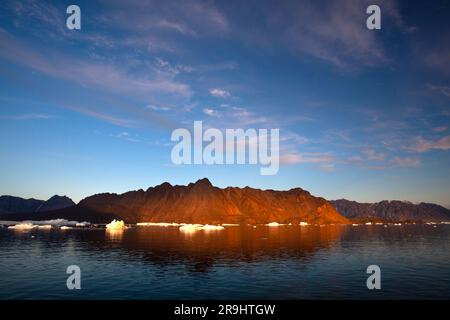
(208, 227)
(65, 228)
(303, 223)
(355, 224)
(445, 222)
(368, 223)
(191, 227)
(157, 224)
(45, 227)
(116, 225)
(23, 226)
(230, 224)
(83, 224)
(199, 227)
(274, 224)
(397, 224)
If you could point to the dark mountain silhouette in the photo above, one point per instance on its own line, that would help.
(201, 202)
(395, 211)
(56, 202)
(13, 205)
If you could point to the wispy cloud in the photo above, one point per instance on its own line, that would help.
(445, 90)
(28, 116)
(220, 93)
(405, 162)
(211, 112)
(307, 157)
(101, 75)
(423, 145)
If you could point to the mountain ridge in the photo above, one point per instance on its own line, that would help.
(391, 211)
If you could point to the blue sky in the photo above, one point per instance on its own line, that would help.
(363, 114)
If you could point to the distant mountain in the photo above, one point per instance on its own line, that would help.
(201, 202)
(391, 211)
(10, 204)
(56, 202)
(14, 205)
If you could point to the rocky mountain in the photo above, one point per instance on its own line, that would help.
(14, 205)
(54, 203)
(395, 211)
(201, 202)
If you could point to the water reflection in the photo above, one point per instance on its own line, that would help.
(114, 235)
(202, 250)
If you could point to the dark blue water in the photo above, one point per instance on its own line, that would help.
(235, 263)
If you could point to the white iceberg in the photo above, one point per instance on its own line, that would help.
(45, 227)
(191, 227)
(116, 225)
(208, 227)
(23, 226)
(65, 228)
(303, 223)
(273, 224)
(83, 224)
(157, 224)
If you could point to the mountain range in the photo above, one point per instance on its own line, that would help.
(11, 205)
(201, 202)
(391, 211)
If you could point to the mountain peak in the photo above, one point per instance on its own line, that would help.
(203, 182)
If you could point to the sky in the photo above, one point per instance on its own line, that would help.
(363, 114)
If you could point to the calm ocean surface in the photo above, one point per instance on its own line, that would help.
(236, 263)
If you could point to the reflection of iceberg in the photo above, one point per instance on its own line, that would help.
(116, 225)
(23, 226)
(114, 234)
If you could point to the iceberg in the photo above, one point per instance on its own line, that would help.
(273, 224)
(157, 224)
(303, 223)
(45, 227)
(208, 227)
(23, 226)
(65, 228)
(116, 225)
(191, 227)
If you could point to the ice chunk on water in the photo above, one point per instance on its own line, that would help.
(23, 226)
(208, 227)
(116, 225)
(191, 227)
